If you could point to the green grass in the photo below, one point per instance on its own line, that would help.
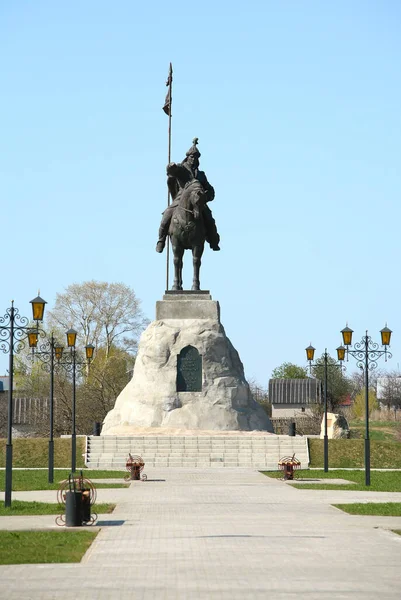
(383, 436)
(397, 531)
(383, 509)
(33, 452)
(381, 481)
(382, 431)
(19, 508)
(27, 547)
(38, 479)
(378, 430)
(350, 454)
(374, 424)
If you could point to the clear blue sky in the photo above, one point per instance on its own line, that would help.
(297, 108)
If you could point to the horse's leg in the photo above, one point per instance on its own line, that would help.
(197, 252)
(178, 252)
(180, 268)
(175, 261)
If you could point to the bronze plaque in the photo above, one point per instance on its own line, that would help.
(189, 370)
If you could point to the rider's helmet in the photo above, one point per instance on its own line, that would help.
(193, 151)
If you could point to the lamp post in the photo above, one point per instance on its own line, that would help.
(46, 354)
(14, 329)
(366, 353)
(310, 353)
(71, 364)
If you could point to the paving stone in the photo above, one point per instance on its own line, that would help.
(219, 533)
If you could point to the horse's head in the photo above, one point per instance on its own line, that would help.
(198, 200)
(181, 173)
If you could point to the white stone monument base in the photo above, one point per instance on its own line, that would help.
(151, 400)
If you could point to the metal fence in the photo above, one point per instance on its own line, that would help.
(26, 411)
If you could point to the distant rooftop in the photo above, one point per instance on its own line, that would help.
(295, 391)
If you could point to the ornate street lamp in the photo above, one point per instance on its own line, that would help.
(38, 308)
(14, 330)
(340, 353)
(386, 336)
(71, 337)
(310, 352)
(71, 340)
(46, 353)
(347, 335)
(89, 351)
(70, 364)
(58, 351)
(366, 353)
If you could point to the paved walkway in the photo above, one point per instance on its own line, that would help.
(222, 534)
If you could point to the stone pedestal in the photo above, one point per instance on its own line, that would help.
(187, 374)
(187, 305)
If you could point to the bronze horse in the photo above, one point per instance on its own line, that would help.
(187, 230)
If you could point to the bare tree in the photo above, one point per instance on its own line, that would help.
(107, 377)
(33, 382)
(260, 394)
(389, 390)
(104, 314)
(357, 380)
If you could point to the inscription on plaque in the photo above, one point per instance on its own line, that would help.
(189, 370)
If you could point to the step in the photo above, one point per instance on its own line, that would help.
(121, 458)
(202, 451)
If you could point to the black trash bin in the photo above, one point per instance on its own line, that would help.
(97, 427)
(291, 429)
(73, 508)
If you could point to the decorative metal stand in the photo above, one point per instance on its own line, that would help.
(288, 464)
(134, 466)
(79, 493)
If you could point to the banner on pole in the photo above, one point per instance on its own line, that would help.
(167, 102)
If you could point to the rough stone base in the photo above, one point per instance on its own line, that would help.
(151, 400)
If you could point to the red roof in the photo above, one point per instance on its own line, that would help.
(346, 402)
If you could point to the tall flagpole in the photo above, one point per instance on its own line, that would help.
(170, 80)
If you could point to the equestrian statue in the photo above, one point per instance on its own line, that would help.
(188, 220)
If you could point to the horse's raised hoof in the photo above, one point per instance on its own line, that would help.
(160, 246)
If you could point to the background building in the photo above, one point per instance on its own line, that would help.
(294, 397)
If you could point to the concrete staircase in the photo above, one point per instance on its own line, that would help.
(259, 452)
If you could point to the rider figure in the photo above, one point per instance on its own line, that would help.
(191, 163)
